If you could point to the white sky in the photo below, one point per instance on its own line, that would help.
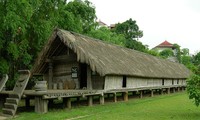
(177, 21)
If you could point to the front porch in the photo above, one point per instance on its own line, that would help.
(43, 99)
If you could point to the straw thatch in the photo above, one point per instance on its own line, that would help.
(108, 59)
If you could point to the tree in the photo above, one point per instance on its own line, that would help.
(105, 34)
(83, 13)
(131, 32)
(197, 59)
(166, 53)
(26, 25)
(129, 29)
(177, 52)
(193, 88)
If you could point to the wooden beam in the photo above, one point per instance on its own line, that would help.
(65, 57)
(50, 82)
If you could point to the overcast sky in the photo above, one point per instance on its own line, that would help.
(177, 21)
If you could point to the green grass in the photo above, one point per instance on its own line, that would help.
(167, 107)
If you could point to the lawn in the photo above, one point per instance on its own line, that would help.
(175, 106)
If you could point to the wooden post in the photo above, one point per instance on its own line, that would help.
(78, 101)
(125, 95)
(115, 97)
(50, 82)
(67, 102)
(161, 91)
(174, 90)
(151, 93)
(141, 92)
(101, 99)
(89, 80)
(178, 89)
(90, 100)
(27, 102)
(168, 90)
(41, 105)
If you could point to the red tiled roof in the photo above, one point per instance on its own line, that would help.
(165, 44)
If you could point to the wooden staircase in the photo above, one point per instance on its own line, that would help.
(3, 81)
(11, 104)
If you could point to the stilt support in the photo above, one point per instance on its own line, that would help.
(101, 99)
(90, 100)
(141, 94)
(168, 90)
(41, 105)
(151, 93)
(67, 102)
(115, 97)
(125, 95)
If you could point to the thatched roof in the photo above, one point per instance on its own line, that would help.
(109, 59)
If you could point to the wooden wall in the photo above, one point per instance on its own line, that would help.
(115, 82)
(62, 75)
(98, 82)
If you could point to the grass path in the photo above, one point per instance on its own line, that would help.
(167, 107)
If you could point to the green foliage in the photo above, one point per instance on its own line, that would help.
(26, 25)
(131, 32)
(105, 34)
(153, 52)
(129, 29)
(166, 53)
(4, 67)
(84, 13)
(185, 52)
(193, 88)
(197, 59)
(177, 52)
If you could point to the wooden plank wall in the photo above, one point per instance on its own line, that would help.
(113, 82)
(98, 82)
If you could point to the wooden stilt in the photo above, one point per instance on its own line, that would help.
(67, 103)
(141, 94)
(125, 95)
(161, 91)
(90, 100)
(174, 90)
(78, 101)
(101, 99)
(151, 93)
(115, 97)
(168, 90)
(41, 105)
(178, 89)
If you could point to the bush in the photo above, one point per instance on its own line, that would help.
(193, 88)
